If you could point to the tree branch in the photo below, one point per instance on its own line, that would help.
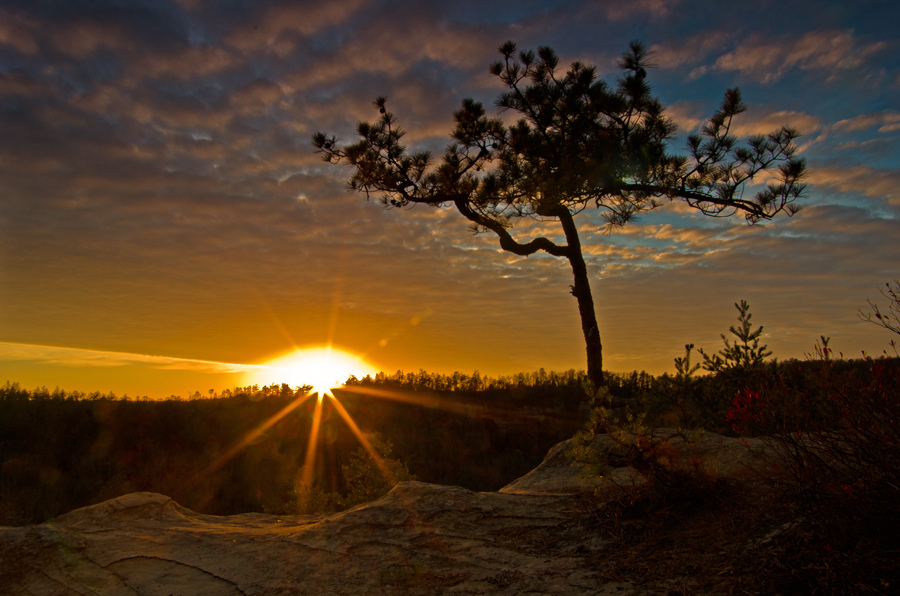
(507, 242)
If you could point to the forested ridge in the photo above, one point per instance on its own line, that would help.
(244, 449)
(61, 450)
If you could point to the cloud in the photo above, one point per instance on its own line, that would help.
(19, 31)
(279, 29)
(22, 84)
(758, 120)
(886, 121)
(77, 357)
(803, 276)
(688, 50)
(261, 94)
(375, 48)
(853, 133)
(865, 180)
(620, 11)
(769, 60)
(638, 246)
(183, 64)
(688, 116)
(686, 235)
(81, 39)
(191, 5)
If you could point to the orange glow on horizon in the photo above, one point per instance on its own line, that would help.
(323, 367)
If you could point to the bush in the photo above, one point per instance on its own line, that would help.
(689, 401)
(366, 479)
(835, 429)
(308, 499)
(838, 450)
(369, 479)
(835, 510)
(665, 470)
(846, 441)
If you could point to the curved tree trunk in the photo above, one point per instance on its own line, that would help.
(572, 251)
(582, 292)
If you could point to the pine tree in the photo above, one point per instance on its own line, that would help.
(745, 353)
(580, 144)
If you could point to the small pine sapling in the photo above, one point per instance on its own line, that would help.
(745, 353)
(684, 379)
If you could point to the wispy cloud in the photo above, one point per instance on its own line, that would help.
(280, 29)
(654, 9)
(19, 31)
(768, 58)
(863, 180)
(82, 39)
(689, 50)
(885, 121)
(761, 121)
(828, 51)
(78, 357)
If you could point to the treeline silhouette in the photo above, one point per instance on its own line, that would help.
(243, 449)
(558, 390)
(462, 382)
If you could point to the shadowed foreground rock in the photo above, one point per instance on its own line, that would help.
(535, 536)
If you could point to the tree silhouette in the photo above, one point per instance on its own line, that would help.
(579, 143)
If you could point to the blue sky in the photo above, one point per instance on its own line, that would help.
(159, 196)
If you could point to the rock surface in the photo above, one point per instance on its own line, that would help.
(717, 455)
(534, 536)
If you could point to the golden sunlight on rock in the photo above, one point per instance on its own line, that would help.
(324, 368)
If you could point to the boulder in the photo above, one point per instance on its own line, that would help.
(534, 536)
(716, 455)
(418, 539)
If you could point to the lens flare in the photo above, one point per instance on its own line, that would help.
(295, 367)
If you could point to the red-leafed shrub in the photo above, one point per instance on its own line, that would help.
(837, 440)
(747, 411)
(846, 441)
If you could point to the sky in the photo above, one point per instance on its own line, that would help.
(165, 223)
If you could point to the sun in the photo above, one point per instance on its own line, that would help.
(324, 368)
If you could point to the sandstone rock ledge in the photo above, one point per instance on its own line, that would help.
(533, 537)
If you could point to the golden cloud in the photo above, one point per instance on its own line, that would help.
(885, 121)
(757, 121)
(93, 358)
(867, 180)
